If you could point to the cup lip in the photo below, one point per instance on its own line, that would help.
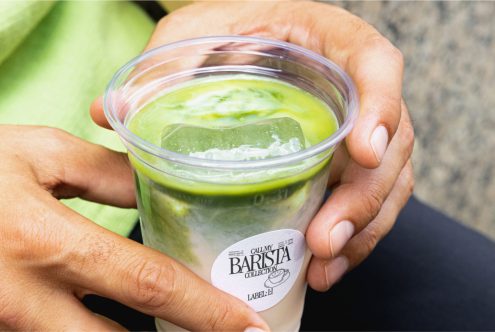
(148, 147)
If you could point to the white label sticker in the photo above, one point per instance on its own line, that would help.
(261, 269)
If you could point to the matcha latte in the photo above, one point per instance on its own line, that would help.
(231, 140)
(234, 118)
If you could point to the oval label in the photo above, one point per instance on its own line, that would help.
(260, 270)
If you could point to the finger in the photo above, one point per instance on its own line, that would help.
(166, 32)
(70, 314)
(71, 167)
(224, 20)
(106, 264)
(359, 197)
(48, 309)
(373, 63)
(206, 24)
(97, 113)
(113, 325)
(323, 273)
(162, 65)
(364, 242)
(377, 72)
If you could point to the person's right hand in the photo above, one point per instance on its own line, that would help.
(371, 175)
(50, 256)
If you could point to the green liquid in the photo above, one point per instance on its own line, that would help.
(232, 101)
(192, 216)
(226, 102)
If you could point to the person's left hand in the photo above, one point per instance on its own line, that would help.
(371, 175)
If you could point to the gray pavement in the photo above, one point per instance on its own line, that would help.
(449, 49)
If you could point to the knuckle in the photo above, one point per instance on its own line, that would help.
(54, 141)
(376, 43)
(55, 134)
(407, 137)
(11, 317)
(372, 198)
(220, 316)
(177, 18)
(390, 105)
(371, 239)
(40, 148)
(163, 22)
(11, 320)
(382, 44)
(360, 26)
(99, 250)
(153, 286)
(51, 131)
(90, 252)
(33, 239)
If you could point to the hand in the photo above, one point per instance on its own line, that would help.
(371, 174)
(50, 256)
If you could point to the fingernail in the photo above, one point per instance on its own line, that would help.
(253, 329)
(339, 236)
(379, 141)
(335, 269)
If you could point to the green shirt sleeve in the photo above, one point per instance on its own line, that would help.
(56, 59)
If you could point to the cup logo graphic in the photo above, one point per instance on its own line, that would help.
(277, 278)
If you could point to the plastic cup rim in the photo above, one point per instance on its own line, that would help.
(148, 147)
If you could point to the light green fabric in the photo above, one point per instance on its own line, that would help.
(18, 19)
(60, 65)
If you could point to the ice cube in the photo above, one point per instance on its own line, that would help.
(256, 140)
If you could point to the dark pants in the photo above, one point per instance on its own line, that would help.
(429, 273)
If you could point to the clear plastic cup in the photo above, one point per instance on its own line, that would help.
(237, 224)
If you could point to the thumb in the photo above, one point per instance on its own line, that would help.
(97, 114)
